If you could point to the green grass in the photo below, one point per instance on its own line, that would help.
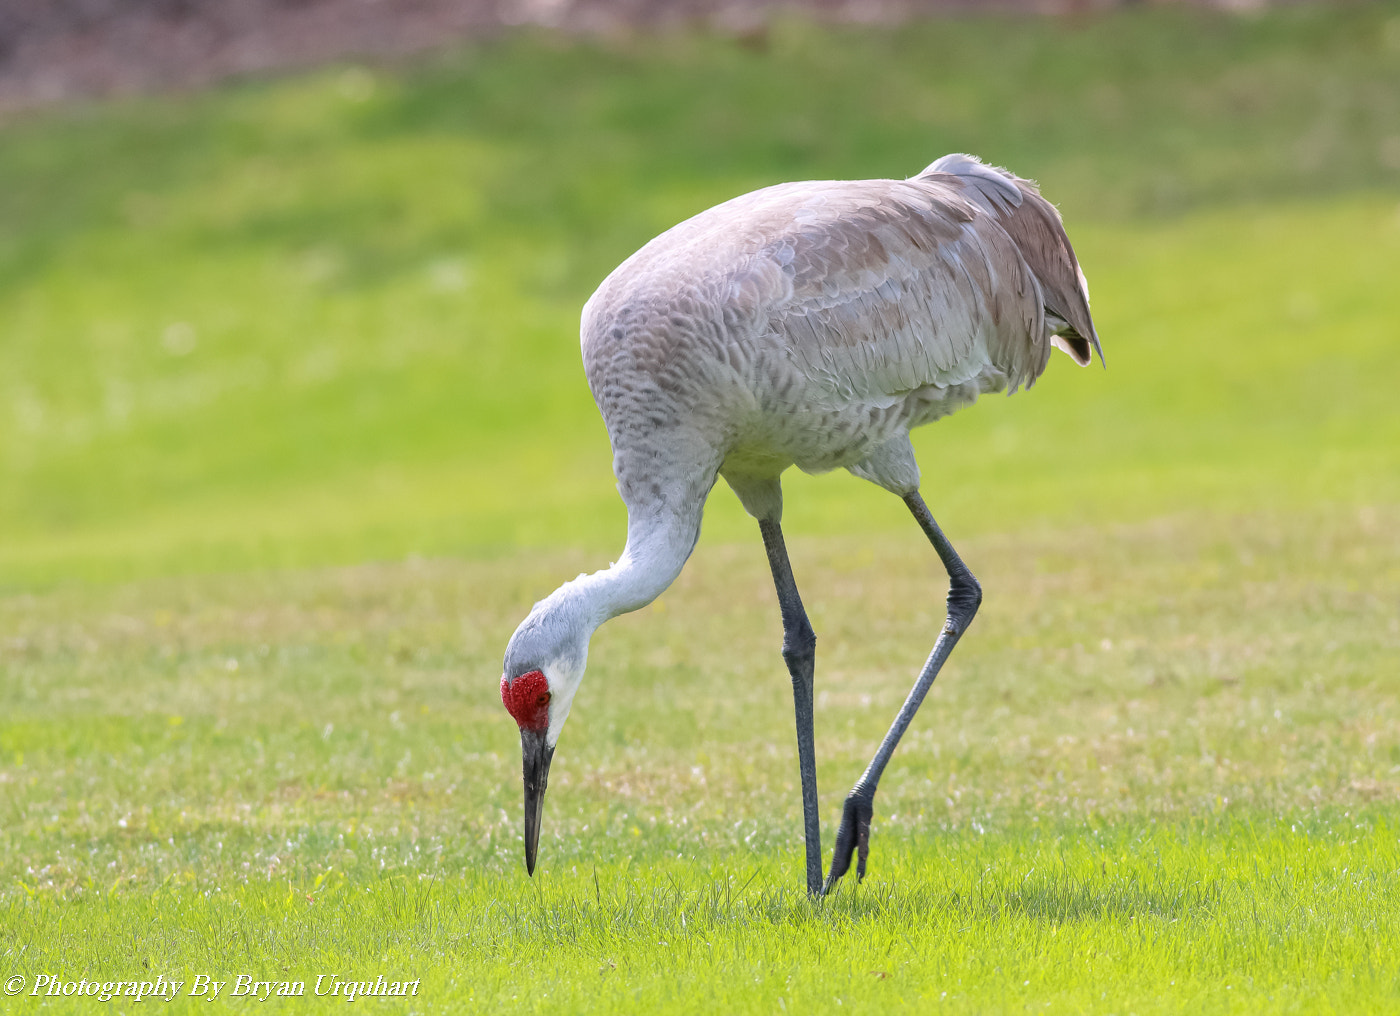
(1024, 921)
(293, 431)
(1159, 774)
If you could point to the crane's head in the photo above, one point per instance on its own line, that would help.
(543, 668)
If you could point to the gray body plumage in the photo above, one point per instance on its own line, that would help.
(810, 324)
(814, 324)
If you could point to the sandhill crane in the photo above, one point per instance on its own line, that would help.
(809, 324)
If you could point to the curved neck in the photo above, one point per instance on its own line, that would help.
(658, 544)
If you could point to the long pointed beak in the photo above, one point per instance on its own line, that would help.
(536, 755)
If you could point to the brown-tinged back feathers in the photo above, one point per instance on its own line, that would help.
(1035, 226)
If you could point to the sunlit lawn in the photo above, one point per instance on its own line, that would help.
(1161, 771)
(294, 432)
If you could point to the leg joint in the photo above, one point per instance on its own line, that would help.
(799, 643)
(964, 597)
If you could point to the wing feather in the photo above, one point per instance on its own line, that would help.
(1036, 228)
(907, 285)
(869, 288)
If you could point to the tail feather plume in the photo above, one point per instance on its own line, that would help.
(1035, 226)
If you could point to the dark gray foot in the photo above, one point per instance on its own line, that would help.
(852, 838)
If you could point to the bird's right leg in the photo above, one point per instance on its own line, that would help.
(964, 597)
(800, 654)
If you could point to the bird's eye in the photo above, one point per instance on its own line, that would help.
(543, 700)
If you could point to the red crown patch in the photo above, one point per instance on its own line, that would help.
(527, 700)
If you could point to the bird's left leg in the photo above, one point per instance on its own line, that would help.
(800, 654)
(964, 597)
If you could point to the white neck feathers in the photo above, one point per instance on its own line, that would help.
(657, 548)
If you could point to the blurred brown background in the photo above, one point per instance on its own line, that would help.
(51, 50)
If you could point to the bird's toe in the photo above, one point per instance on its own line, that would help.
(852, 839)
